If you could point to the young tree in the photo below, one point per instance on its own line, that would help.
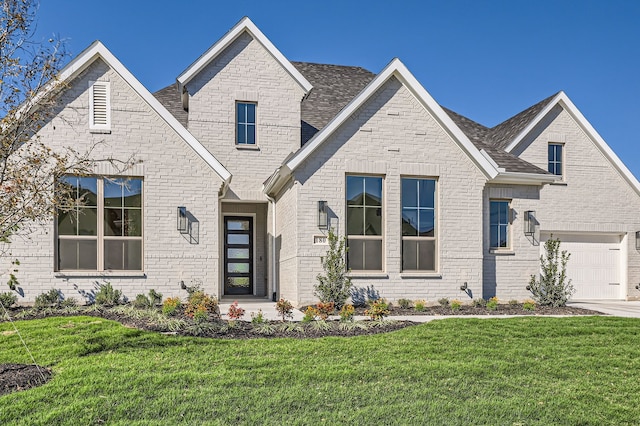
(552, 288)
(335, 285)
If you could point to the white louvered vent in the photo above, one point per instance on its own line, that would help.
(99, 106)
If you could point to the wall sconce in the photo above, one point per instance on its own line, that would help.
(464, 286)
(529, 223)
(183, 223)
(323, 217)
(637, 240)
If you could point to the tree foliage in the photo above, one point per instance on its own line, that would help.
(334, 286)
(552, 288)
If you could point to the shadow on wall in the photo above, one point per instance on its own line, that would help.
(360, 296)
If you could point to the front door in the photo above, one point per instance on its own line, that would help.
(238, 255)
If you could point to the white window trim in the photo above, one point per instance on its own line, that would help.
(562, 159)
(92, 124)
(509, 248)
(247, 146)
(436, 221)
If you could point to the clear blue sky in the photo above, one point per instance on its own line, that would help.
(487, 60)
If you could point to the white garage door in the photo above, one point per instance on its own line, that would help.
(594, 266)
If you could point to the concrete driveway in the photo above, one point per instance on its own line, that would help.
(619, 308)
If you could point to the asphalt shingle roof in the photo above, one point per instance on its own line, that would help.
(171, 99)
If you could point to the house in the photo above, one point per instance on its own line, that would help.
(247, 160)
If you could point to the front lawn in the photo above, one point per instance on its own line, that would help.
(583, 370)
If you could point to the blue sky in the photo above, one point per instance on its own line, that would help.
(485, 60)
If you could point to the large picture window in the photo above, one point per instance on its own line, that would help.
(418, 224)
(499, 224)
(100, 227)
(245, 123)
(364, 223)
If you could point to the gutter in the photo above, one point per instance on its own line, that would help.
(525, 178)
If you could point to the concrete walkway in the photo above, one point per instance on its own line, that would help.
(630, 309)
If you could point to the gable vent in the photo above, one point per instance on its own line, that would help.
(99, 106)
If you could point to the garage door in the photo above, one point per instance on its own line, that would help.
(594, 266)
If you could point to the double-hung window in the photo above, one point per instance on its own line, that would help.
(499, 218)
(555, 158)
(99, 225)
(365, 223)
(418, 224)
(245, 123)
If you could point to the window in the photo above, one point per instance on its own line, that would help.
(100, 227)
(418, 224)
(246, 123)
(364, 223)
(499, 224)
(99, 105)
(555, 159)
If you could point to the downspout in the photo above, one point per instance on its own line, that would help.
(274, 282)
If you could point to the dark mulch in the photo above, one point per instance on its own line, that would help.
(17, 377)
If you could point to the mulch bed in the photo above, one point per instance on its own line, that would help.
(17, 377)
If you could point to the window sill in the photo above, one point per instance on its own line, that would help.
(561, 183)
(100, 131)
(248, 147)
(357, 275)
(420, 275)
(91, 274)
(502, 252)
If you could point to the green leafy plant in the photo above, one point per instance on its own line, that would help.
(325, 309)
(552, 288)
(420, 305)
(529, 305)
(13, 279)
(513, 302)
(155, 298)
(479, 303)
(347, 312)
(456, 305)
(51, 298)
(444, 302)
(235, 312)
(171, 305)
(108, 296)
(404, 303)
(310, 314)
(8, 299)
(492, 304)
(141, 301)
(378, 309)
(201, 306)
(284, 308)
(258, 317)
(334, 286)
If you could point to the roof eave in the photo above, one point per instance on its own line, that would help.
(517, 178)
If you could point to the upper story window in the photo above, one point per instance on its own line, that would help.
(364, 223)
(245, 123)
(418, 224)
(99, 105)
(499, 219)
(555, 158)
(100, 227)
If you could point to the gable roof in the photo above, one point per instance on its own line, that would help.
(245, 25)
(98, 50)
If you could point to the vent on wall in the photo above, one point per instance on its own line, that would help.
(99, 106)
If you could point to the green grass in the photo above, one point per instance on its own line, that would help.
(522, 371)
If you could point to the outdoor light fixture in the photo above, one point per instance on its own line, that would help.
(323, 217)
(183, 223)
(464, 286)
(637, 240)
(529, 223)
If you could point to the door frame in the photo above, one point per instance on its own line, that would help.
(252, 216)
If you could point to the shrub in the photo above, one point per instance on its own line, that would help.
(404, 303)
(284, 308)
(378, 309)
(444, 302)
(68, 302)
(310, 314)
(8, 299)
(108, 296)
(171, 305)
(258, 318)
(492, 304)
(48, 299)
(334, 286)
(479, 303)
(155, 298)
(347, 312)
(141, 301)
(513, 302)
(529, 305)
(420, 305)
(325, 309)
(200, 306)
(552, 288)
(235, 311)
(456, 305)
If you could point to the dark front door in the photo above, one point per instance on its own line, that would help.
(238, 255)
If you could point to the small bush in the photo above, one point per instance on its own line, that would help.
(51, 298)
(200, 306)
(8, 299)
(68, 302)
(335, 285)
(285, 309)
(404, 303)
(513, 302)
(141, 301)
(529, 305)
(346, 313)
(235, 311)
(552, 287)
(479, 303)
(171, 305)
(108, 296)
(492, 304)
(325, 309)
(258, 318)
(420, 305)
(310, 314)
(444, 302)
(155, 298)
(456, 305)
(378, 309)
